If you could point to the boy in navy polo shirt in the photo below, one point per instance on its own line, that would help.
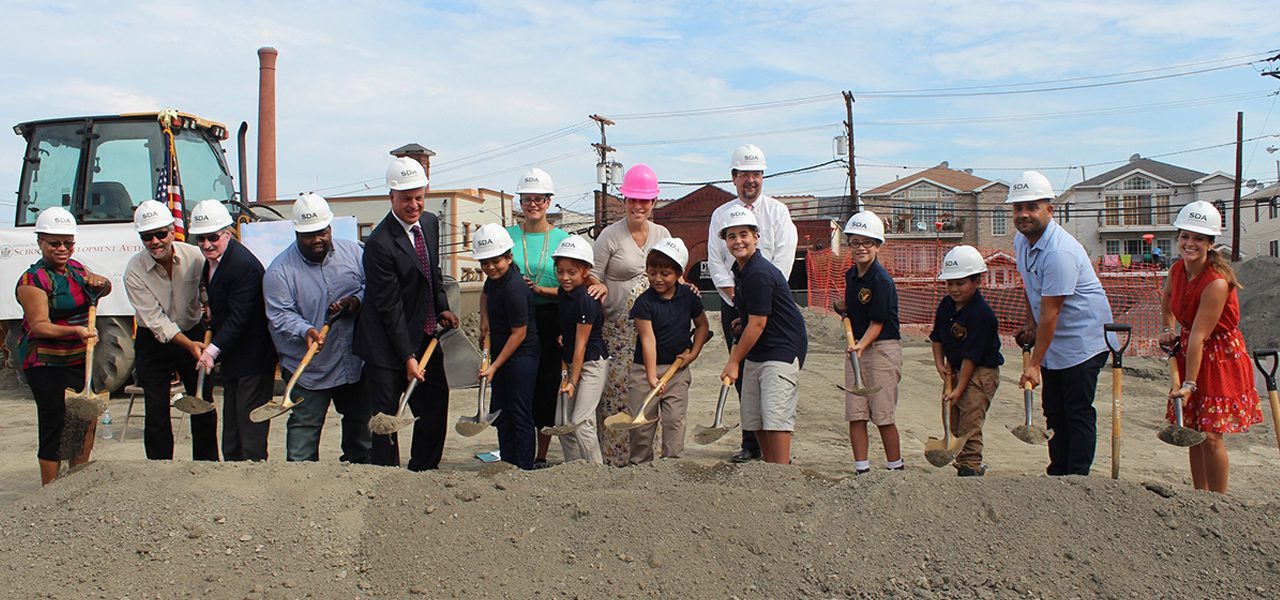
(513, 336)
(966, 347)
(871, 303)
(773, 341)
(663, 314)
(581, 348)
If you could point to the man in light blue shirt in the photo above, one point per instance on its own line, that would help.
(1066, 311)
(310, 280)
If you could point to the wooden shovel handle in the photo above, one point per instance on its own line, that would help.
(1026, 360)
(726, 381)
(848, 331)
(666, 376)
(88, 348)
(306, 358)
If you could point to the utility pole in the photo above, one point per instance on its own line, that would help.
(1235, 202)
(603, 149)
(848, 131)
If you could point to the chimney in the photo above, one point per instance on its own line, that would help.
(416, 152)
(266, 123)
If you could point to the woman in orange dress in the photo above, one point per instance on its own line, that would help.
(1199, 298)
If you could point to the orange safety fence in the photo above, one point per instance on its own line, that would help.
(1133, 291)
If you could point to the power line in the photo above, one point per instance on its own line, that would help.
(771, 175)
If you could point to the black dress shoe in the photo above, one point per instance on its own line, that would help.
(744, 455)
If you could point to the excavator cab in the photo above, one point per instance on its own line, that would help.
(101, 168)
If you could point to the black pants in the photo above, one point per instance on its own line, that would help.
(48, 387)
(1068, 410)
(727, 315)
(511, 394)
(155, 363)
(546, 386)
(243, 439)
(429, 403)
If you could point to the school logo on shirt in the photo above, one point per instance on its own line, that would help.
(864, 295)
(958, 332)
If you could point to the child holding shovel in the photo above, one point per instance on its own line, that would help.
(508, 311)
(966, 346)
(871, 302)
(772, 344)
(581, 322)
(663, 315)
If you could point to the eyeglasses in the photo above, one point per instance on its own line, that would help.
(641, 200)
(155, 235)
(55, 244)
(535, 200)
(861, 244)
(209, 238)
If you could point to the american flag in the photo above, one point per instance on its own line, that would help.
(169, 184)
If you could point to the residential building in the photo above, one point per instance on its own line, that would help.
(946, 205)
(1260, 222)
(1111, 213)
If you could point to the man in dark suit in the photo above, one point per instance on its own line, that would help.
(404, 307)
(232, 278)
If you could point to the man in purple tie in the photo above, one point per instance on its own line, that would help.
(404, 307)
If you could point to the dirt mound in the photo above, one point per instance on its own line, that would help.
(676, 529)
(1260, 302)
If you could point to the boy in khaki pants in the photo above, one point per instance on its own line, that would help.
(966, 348)
(663, 315)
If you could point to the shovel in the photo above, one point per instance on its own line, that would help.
(562, 409)
(624, 421)
(1174, 433)
(708, 435)
(942, 452)
(1117, 388)
(193, 405)
(470, 426)
(1269, 375)
(858, 389)
(275, 408)
(1028, 432)
(86, 405)
(384, 424)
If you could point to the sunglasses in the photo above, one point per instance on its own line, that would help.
(208, 238)
(55, 244)
(156, 235)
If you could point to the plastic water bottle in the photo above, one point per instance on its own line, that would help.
(104, 429)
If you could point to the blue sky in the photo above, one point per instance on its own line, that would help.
(356, 79)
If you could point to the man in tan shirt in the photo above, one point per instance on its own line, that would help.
(163, 283)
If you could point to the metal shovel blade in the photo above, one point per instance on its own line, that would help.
(937, 453)
(709, 435)
(270, 410)
(195, 406)
(470, 426)
(86, 406)
(385, 424)
(1177, 435)
(1028, 432)
(623, 421)
(565, 429)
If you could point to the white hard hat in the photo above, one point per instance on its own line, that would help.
(577, 248)
(739, 216)
(56, 220)
(674, 248)
(536, 181)
(1031, 186)
(151, 215)
(961, 262)
(209, 216)
(1200, 217)
(311, 213)
(406, 174)
(866, 224)
(748, 157)
(491, 240)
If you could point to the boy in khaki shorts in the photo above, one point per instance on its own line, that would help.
(871, 303)
(966, 349)
(663, 315)
(772, 344)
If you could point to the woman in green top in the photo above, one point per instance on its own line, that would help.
(535, 239)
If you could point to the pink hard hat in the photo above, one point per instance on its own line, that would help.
(640, 183)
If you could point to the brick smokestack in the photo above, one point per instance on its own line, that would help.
(416, 152)
(266, 123)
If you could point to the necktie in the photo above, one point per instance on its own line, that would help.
(420, 245)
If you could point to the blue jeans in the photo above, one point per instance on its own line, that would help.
(306, 421)
(512, 393)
